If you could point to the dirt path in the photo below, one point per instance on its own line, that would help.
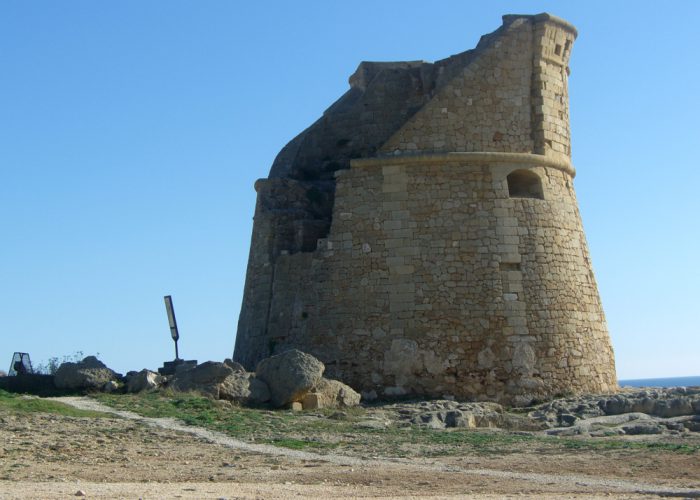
(50, 456)
(567, 482)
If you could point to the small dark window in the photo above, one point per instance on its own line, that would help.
(557, 49)
(524, 184)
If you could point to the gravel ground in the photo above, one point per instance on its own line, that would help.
(50, 456)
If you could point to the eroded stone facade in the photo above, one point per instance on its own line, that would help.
(423, 237)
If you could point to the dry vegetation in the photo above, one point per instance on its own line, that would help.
(52, 449)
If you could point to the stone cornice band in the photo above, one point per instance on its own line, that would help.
(466, 157)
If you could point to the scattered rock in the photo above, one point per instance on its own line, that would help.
(312, 401)
(111, 386)
(79, 493)
(441, 414)
(692, 423)
(290, 375)
(373, 424)
(330, 394)
(243, 387)
(369, 395)
(206, 378)
(456, 418)
(145, 380)
(642, 428)
(236, 367)
(90, 373)
(663, 403)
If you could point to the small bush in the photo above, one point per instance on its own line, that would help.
(50, 366)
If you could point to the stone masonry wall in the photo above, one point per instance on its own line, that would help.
(454, 262)
(438, 283)
(484, 108)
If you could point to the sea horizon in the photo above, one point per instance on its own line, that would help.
(689, 381)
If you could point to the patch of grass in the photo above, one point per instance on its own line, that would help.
(15, 404)
(491, 441)
(345, 433)
(618, 444)
(300, 444)
(195, 409)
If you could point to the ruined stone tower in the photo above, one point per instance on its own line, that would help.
(423, 236)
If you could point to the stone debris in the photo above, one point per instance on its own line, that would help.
(292, 379)
(245, 388)
(88, 374)
(206, 378)
(672, 411)
(664, 403)
(441, 414)
(633, 412)
(111, 386)
(330, 394)
(290, 375)
(145, 380)
(236, 367)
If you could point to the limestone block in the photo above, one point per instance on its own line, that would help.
(289, 375)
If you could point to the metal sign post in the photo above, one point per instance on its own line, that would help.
(173, 323)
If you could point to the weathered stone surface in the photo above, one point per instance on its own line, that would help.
(111, 386)
(648, 411)
(665, 403)
(145, 380)
(245, 388)
(312, 401)
(236, 367)
(289, 375)
(205, 378)
(441, 414)
(235, 387)
(330, 394)
(337, 394)
(423, 236)
(565, 416)
(90, 373)
(692, 423)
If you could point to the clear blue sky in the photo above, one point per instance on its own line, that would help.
(131, 134)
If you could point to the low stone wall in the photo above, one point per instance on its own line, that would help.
(40, 385)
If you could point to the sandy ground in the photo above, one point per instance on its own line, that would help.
(47, 456)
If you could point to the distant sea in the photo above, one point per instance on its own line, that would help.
(661, 382)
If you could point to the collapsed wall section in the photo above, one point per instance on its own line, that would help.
(486, 106)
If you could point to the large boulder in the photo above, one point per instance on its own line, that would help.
(145, 380)
(90, 373)
(205, 378)
(290, 375)
(245, 388)
(330, 394)
(235, 366)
